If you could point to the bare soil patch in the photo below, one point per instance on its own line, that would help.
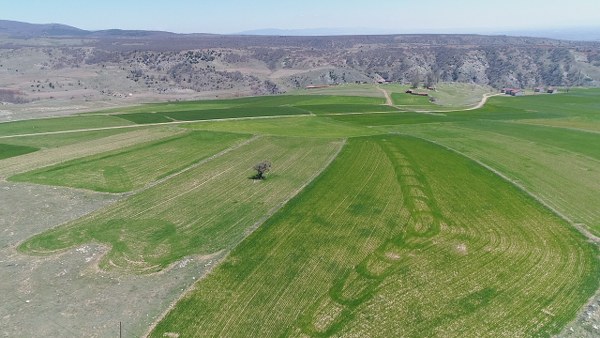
(66, 295)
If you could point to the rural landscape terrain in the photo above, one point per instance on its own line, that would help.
(407, 195)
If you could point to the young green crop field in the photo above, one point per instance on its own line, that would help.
(394, 223)
(559, 166)
(253, 107)
(134, 167)
(305, 126)
(201, 211)
(375, 220)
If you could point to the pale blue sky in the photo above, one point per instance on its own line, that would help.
(230, 16)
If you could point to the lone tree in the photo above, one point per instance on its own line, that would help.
(261, 169)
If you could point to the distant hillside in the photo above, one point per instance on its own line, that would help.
(316, 32)
(27, 30)
(574, 34)
(113, 64)
(17, 30)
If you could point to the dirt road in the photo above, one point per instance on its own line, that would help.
(388, 98)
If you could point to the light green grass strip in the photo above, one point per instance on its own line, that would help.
(60, 124)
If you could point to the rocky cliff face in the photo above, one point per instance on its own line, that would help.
(245, 65)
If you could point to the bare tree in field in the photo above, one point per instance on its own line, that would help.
(432, 78)
(415, 79)
(261, 169)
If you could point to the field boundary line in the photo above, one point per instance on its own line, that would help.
(248, 232)
(294, 193)
(578, 226)
(186, 292)
(364, 113)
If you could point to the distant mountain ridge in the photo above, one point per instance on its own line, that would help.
(163, 64)
(17, 29)
(317, 32)
(573, 34)
(28, 30)
(23, 29)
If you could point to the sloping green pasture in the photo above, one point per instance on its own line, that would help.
(418, 102)
(399, 237)
(363, 90)
(204, 210)
(447, 96)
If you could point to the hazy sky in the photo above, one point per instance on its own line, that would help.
(230, 16)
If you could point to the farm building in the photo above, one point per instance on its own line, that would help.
(411, 92)
(513, 91)
(539, 90)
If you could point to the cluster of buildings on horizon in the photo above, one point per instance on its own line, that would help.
(521, 92)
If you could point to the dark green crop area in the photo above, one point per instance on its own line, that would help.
(9, 150)
(256, 102)
(252, 107)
